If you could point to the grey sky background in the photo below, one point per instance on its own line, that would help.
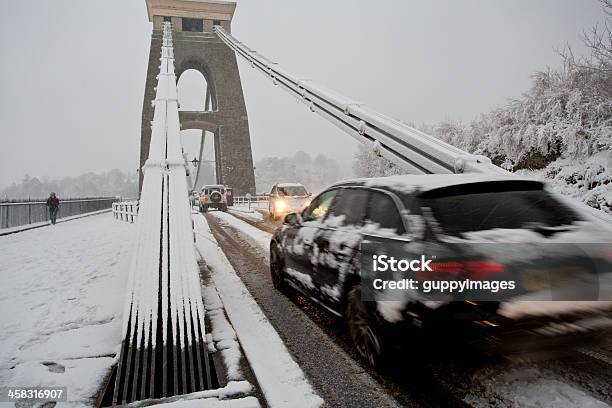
(72, 72)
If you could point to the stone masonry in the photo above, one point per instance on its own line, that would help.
(206, 53)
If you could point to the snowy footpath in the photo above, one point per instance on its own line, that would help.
(61, 301)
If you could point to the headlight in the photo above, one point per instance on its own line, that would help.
(280, 205)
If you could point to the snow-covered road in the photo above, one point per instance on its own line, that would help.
(61, 301)
(257, 236)
(568, 382)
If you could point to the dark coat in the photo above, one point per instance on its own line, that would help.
(53, 203)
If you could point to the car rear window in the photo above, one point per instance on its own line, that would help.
(483, 206)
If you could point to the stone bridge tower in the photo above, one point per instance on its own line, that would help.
(197, 47)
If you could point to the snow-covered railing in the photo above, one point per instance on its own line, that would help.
(409, 148)
(125, 210)
(14, 213)
(163, 350)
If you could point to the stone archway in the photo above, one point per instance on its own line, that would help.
(227, 117)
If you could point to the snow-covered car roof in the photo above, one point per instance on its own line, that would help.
(289, 185)
(408, 183)
(213, 186)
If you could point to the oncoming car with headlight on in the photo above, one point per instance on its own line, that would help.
(286, 198)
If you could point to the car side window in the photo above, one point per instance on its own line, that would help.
(319, 206)
(383, 211)
(350, 204)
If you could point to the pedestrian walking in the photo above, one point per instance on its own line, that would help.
(53, 205)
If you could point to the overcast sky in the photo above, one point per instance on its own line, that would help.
(72, 72)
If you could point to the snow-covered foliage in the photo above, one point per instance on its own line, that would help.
(560, 129)
(566, 114)
(369, 163)
(587, 180)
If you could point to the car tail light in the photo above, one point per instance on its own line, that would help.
(447, 267)
(483, 268)
(607, 255)
(478, 269)
(205, 199)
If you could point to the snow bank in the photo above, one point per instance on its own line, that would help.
(222, 337)
(60, 304)
(219, 397)
(587, 180)
(247, 402)
(281, 379)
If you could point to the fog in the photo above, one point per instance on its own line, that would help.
(72, 72)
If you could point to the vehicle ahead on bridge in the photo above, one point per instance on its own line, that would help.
(286, 198)
(472, 222)
(213, 196)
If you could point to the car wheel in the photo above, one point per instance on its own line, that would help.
(277, 269)
(224, 208)
(363, 328)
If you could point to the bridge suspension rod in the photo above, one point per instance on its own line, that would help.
(415, 151)
(164, 350)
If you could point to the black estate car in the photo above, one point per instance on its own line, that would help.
(480, 227)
